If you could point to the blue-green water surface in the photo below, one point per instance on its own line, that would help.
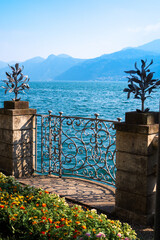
(83, 98)
(80, 99)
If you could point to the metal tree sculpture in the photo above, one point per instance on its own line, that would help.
(141, 83)
(16, 82)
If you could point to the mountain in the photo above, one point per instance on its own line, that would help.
(53, 66)
(153, 46)
(106, 67)
(40, 69)
(3, 64)
(110, 66)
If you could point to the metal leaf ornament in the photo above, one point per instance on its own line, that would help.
(16, 82)
(141, 83)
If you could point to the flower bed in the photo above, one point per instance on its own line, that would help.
(30, 213)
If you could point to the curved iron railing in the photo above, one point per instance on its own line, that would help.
(76, 146)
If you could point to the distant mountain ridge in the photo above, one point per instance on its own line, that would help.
(106, 67)
(40, 69)
(153, 46)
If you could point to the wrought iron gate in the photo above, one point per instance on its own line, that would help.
(76, 146)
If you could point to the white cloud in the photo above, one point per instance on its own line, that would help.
(152, 27)
(146, 29)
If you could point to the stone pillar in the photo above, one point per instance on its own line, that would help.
(136, 167)
(17, 138)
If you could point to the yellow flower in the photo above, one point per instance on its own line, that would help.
(83, 226)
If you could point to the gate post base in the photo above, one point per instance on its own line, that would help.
(136, 167)
(17, 139)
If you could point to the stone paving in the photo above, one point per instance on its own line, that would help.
(89, 193)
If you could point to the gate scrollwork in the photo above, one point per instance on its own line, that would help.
(76, 146)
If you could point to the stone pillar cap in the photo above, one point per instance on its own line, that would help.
(16, 104)
(142, 118)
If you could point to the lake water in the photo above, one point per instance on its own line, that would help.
(83, 98)
(80, 99)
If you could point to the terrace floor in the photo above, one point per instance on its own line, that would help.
(84, 192)
(88, 193)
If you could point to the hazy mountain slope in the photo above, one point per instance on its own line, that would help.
(110, 66)
(55, 65)
(39, 69)
(105, 67)
(49, 68)
(153, 46)
(3, 64)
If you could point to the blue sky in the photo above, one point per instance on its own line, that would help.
(80, 28)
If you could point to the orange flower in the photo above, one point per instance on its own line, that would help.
(22, 207)
(37, 204)
(43, 217)
(34, 222)
(47, 192)
(50, 220)
(44, 205)
(77, 222)
(1, 206)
